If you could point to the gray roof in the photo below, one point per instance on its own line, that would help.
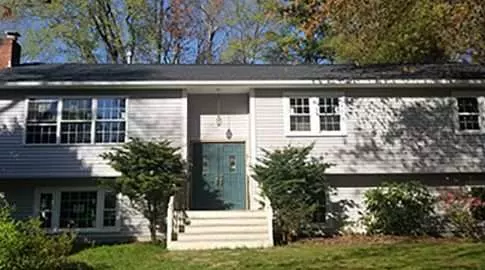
(136, 72)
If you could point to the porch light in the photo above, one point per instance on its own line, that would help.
(218, 118)
(229, 134)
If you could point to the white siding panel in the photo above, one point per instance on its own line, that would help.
(150, 115)
(402, 131)
(346, 208)
(203, 111)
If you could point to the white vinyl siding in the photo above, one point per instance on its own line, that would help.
(150, 114)
(398, 131)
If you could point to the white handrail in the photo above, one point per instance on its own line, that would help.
(170, 212)
(269, 219)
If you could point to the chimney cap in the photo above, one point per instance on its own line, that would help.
(12, 35)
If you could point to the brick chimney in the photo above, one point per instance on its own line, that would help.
(9, 50)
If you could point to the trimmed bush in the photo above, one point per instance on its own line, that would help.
(295, 184)
(24, 245)
(402, 209)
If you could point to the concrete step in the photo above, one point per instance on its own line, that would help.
(195, 229)
(193, 214)
(217, 222)
(223, 229)
(219, 245)
(209, 237)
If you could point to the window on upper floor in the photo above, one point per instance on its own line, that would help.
(314, 115)
(110, 120)
(76, 120)
(300, 114)
(329, 113)
(41, 125)
(468, 114)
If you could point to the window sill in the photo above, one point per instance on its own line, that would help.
(85, 230)
(71, 144)
(310, 134)
(469, 132)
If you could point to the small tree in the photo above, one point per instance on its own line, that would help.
(151, 172)
(295, 184)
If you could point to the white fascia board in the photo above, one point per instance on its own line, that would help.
(249, 83)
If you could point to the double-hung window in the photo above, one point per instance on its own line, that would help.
(110, 120)
(76, 120)
(468, 114)
(41, 124)
(314, 115)
(83, 209)
(329, 114)
(300, 114)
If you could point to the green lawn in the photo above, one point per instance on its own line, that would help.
(298, 256)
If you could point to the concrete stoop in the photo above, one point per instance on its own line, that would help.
(223, 229)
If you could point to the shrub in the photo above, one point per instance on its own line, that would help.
(295, 184)
(403, 209)
(461, 211)
(478, 210)
(25, 245)
(151, 172)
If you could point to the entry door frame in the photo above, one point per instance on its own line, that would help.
(247, 178)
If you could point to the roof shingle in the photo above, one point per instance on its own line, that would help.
(136, 72)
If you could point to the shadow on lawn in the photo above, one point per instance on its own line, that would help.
(75, 265)
(78, 266)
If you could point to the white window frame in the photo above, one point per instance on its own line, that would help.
(61, 121)
(56, 208)
(481, 113)
(315, 114)
(26, 113)
(94, 120)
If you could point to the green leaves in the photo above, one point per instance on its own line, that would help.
(25, 245)
(295, 184)
(151, 172)
(302, 35)
(404, 209)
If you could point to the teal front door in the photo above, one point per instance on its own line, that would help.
(218, 176)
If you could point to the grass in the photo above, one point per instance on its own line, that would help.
(298, 256)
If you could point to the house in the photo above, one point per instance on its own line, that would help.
(376, 123)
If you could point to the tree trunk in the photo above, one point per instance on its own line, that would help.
(159, 34)
(153, 223)
(153, 232)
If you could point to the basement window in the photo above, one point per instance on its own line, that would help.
(81, 209)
